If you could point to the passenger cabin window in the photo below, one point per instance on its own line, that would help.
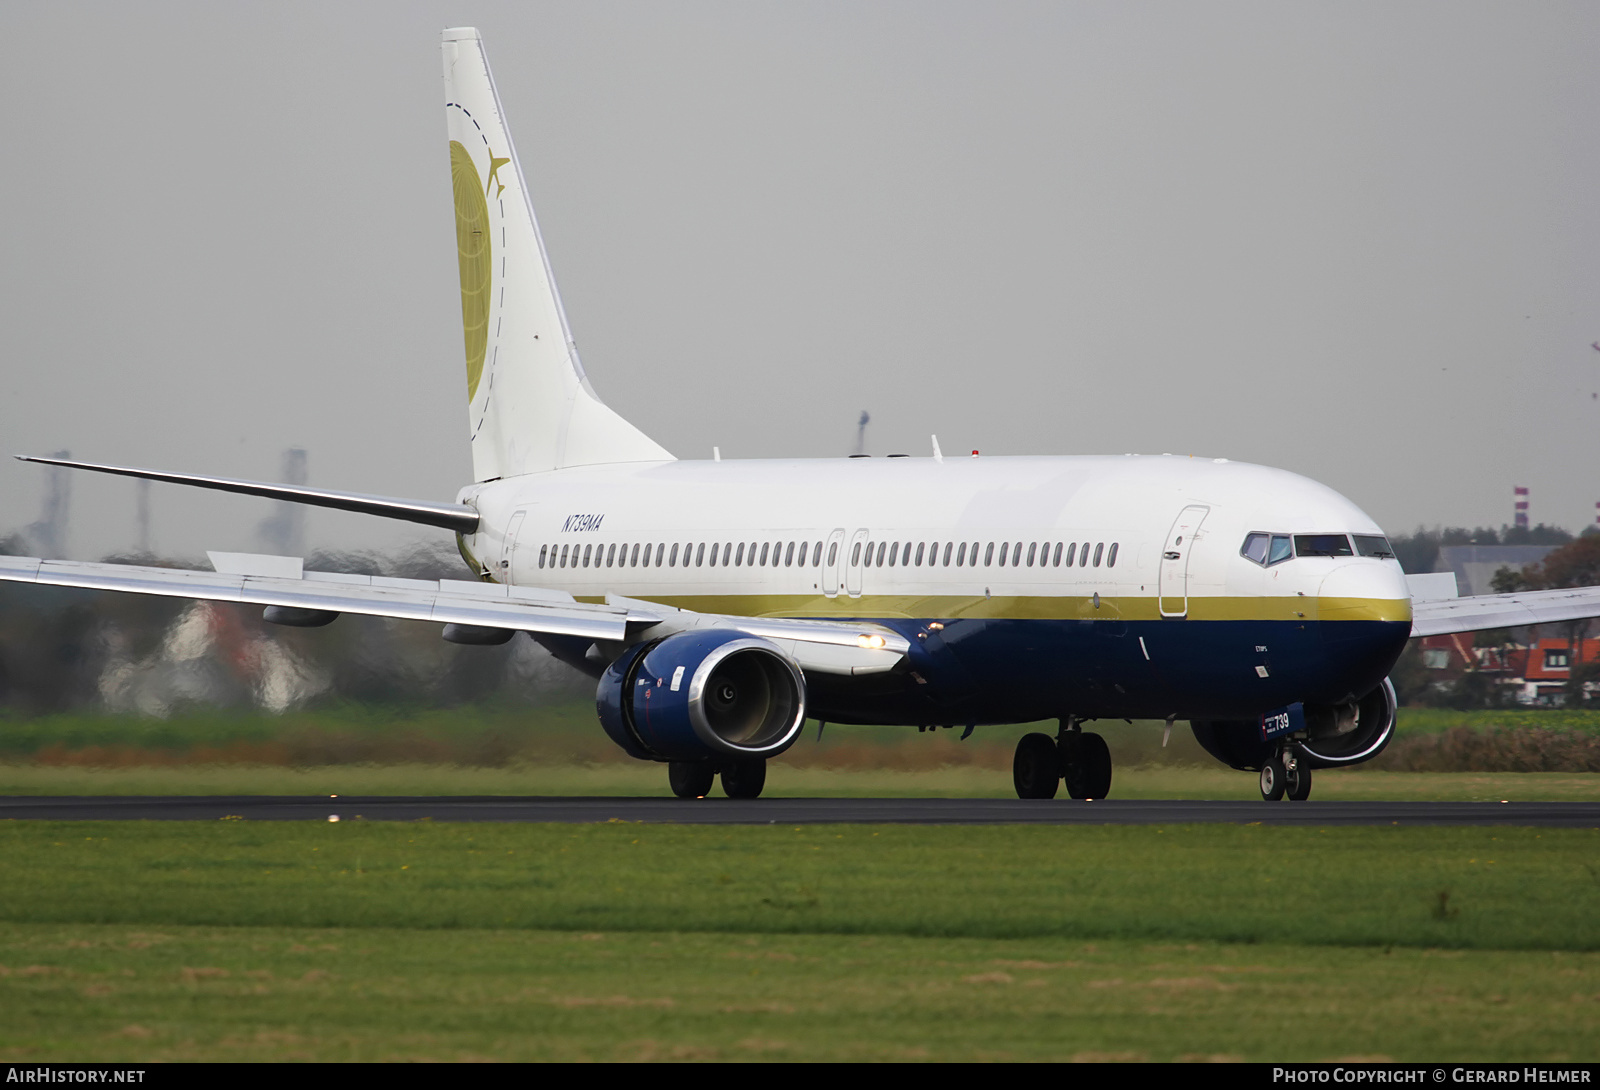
(1111, 557)
(1322, 545)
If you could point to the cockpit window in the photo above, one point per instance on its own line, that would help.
(1322, 545)
(1373, 545)
(1266, 549)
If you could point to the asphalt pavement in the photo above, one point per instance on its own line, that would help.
(787, 811)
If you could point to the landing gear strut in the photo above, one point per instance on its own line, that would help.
(1075, 756)
(1285, 775)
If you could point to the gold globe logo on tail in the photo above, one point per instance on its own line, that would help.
(474, 249)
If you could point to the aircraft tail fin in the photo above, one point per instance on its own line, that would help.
(531, 407)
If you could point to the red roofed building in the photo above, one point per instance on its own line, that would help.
(1535, 673)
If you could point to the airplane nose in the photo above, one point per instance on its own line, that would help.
(1367, 590)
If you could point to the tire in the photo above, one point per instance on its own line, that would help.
(1089, 774)
(744, 779)
(1036, 769)
(690, 779)
(1273, 779)
(1297, 786)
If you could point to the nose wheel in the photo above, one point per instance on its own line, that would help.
(1284, 776)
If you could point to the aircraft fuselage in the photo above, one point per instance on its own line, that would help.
(1029, 588)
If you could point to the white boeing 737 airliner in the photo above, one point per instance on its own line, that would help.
(721, 603)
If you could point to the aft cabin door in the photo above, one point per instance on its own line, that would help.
(832, 563)
(508, 549)
(1174, 578)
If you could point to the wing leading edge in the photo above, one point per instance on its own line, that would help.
(1443, 616)
(820, 646)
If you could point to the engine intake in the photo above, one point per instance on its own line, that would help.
(1348, 734)
(704, 695)
(1337, 734)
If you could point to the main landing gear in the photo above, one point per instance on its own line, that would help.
(1284, 776)
(1077, 757)
(740, 779)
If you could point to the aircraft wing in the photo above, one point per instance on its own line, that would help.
(1472, 614)
(823, 646)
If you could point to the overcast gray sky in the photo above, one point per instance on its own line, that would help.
(1359, 241)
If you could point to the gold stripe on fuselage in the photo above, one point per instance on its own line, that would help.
(1036, 608)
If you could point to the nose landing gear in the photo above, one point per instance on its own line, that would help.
(1283, 775)
(1079, 758)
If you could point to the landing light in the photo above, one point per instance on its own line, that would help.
(872, 641)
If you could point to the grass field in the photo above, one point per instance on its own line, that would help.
(238, 940)
(365, 940)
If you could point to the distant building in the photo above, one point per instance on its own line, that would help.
(1475, 565)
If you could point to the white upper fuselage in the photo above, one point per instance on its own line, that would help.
(601, 517)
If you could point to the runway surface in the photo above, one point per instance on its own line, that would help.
(720, 811)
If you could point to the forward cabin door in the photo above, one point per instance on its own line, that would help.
(831, 561)
(1174, 578)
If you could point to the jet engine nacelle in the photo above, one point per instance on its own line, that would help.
(1338, 735)
(703, 695)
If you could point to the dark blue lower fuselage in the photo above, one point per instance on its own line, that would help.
(1016, 671)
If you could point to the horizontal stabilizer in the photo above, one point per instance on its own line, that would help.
(447, 516)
